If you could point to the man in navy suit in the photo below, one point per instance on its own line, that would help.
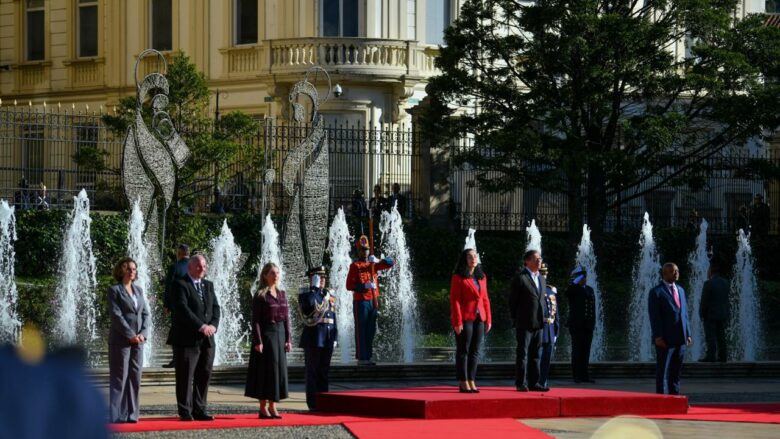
(669, 322)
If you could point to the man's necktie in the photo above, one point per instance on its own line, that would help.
(675, 295)
(200, 290)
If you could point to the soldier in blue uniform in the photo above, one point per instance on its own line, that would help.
(550, 329)
(318, 309)
(581, 323)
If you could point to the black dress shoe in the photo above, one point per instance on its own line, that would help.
(185, 418)
(203, 417)
(521, 388)
(132, 421)
(168, 365)
(539, 389)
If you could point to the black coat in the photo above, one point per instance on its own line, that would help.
(582, 307)
(715, 299)
(525, 301)
(190, 313)
(177, 271)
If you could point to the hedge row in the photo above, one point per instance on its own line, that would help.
(434, 253)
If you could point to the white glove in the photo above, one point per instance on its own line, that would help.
(373, 259)
(315, 280)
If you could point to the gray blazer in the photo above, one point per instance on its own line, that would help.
(126, 320)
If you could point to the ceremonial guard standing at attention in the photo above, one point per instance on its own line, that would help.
(318, 309)
(362, 280)
(581, 323)
(550, 329)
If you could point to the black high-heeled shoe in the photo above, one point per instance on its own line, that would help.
(264, 415)
(474, 390)
(463, 390)
(276, 416)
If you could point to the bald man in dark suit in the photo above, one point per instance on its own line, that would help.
(195, 321)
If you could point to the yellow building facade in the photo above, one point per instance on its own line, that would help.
(83, 52)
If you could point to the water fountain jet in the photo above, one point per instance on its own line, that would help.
(226, 261)
(338, 248)
(401, 299)
(586, 258)
(10, 323)
(646, 275)
(139, 251)
(76, 322)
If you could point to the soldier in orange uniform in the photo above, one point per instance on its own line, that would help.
(362, 281)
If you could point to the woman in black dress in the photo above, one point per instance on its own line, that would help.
(267, 376)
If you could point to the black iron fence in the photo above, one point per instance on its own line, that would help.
(46, 157)
(725, 196)
(367, 166)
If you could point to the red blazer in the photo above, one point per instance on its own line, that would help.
(465, 299)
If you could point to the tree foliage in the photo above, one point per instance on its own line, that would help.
(603, 100)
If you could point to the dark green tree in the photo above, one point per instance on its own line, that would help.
(603, 100)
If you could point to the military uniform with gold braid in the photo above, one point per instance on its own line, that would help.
(549, 330)
(318, 310)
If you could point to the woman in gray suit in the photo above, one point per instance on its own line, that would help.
(129, 329)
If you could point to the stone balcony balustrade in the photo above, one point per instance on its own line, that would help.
(377, 57)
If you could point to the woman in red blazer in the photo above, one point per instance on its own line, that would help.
(471, 319)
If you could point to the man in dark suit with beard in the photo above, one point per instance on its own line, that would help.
(195, 321)
(526, 294)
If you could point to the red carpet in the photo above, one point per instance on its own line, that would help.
(235, 421)
(425, 429)
(444, 402)
(758, 413)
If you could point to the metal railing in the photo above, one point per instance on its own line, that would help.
(68, 151)
(724, 197)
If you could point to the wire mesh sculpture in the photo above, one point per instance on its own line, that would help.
(305, 178)
(152, 155)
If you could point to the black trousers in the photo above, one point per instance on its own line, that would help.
(715, 334)
(581, 340)
(467, 349)
(527, 361)
(193, 373)
(317, 361)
